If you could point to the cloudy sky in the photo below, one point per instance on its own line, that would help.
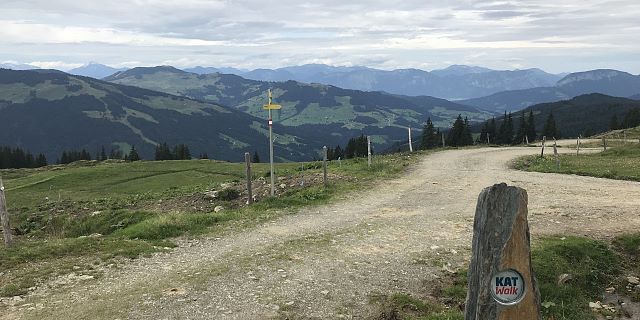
(555, 35)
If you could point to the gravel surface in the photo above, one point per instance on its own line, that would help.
(326, 262)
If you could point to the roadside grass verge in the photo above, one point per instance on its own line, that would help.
(593, 266)
(622, 163)
(97, 223)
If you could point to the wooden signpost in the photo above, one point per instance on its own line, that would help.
(4, 217)
(501, 281)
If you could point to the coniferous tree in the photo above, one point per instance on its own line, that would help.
(41, 160)
(455, 136)
(631, 119)
(256, 157)
(550, 130)
(531, 127)
(508, 131)
(429, 138)
(467, 137)
(483, 133)
(521, 132)
(338, 153)
(492, 132)
(204, 156)
(133, 154)
(613, 124)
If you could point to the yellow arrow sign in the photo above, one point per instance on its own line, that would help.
(271, 107)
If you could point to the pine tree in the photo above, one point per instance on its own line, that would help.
(455, 136)
(521, 133)
(508, 131)
(41, 160)
(103, 154)
(550, 130)
(483, 133)
(492, 132)
(204, 156)
(338, 153)
(133, 154)
(531, 127)
(256, 157)
(429, 138)
(613, 124)
(467, 138)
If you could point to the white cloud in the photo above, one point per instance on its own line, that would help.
(251, 33)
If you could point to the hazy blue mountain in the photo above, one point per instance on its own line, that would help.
(17, 66)
(49, 111)
(608, 82)
(95, 70)
(208, 70)
(459, 70)
(321, 111)
(635, 97)
(455, 82)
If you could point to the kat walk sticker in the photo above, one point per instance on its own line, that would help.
(507, 287)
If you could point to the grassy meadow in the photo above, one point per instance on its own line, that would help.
(621, 162)
(83, 216)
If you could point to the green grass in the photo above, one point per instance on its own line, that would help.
(99, 215)
(621, 163)
(593, 265)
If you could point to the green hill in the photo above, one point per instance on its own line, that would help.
(584, 115)
(49, 111)
(305, 106)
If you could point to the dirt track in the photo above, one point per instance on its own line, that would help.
(326, 262)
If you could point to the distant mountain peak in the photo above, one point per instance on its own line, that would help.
(592, 75)
(141, 71)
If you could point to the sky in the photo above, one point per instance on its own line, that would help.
(554, 35)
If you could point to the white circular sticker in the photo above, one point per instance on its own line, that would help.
(507, 287)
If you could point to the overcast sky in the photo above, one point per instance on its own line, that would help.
(554, 35)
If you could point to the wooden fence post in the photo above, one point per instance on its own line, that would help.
(502, 285)
(578, 147)
(324, 164)
(442, 135)
(369, 151)
(604, 143)
(247, 164)
(555, 153)
(4, 217)
(544, 140)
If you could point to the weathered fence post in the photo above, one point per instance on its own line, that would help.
(625, 137)
(410, 143)
(324, 165)
(247, 164)
(526, 139)
(4, 216)
(369, 151)
(488, 142)
(578, 147)
(501, 280)
(604, 143)
(544, 140)
(442, 135)
(555, 153)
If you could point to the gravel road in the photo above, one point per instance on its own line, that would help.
(326, 262)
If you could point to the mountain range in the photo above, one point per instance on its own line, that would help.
(48, 111)
(312, 108)
(604, 81)
(95, 70)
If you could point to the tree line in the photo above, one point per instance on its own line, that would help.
(16, 158)
(507, 133)
(630, 120)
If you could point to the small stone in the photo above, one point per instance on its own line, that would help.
(564, 278)
(218, 209)
(85, 277)
(283, 185)
(633, 280)
(610, 290)
(595, 305)
(324, 292)
(290, 303)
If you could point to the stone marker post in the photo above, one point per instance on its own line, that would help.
(4, 217)
(502, 285)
